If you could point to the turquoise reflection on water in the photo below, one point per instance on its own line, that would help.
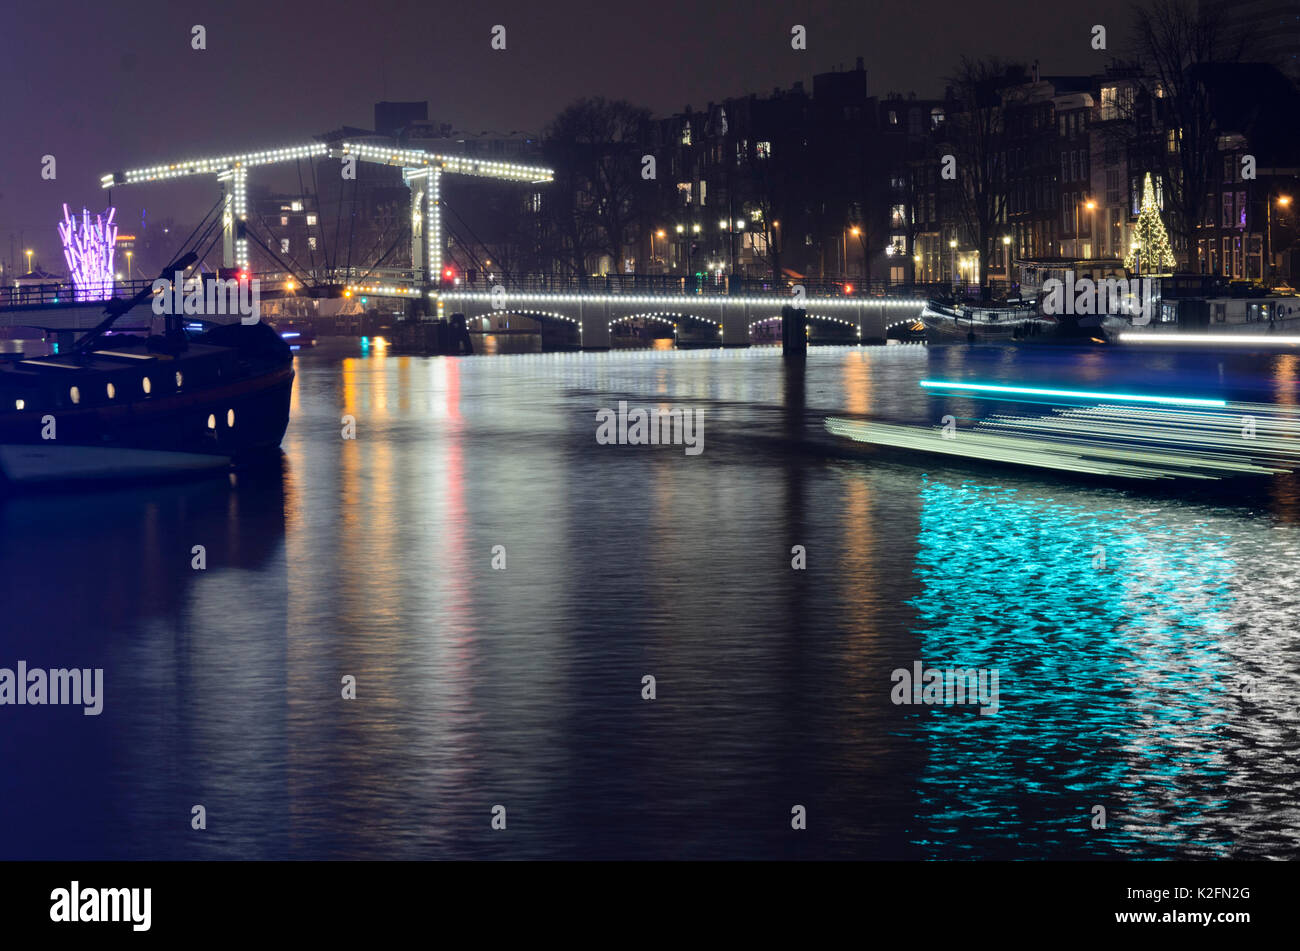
(1112, 674)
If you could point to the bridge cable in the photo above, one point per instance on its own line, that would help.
(320, 219)
(249, 232)
(338, 223)
(208, 250)
(302, 191)
(352, 224)
(220, 200)
(465, 248)
(273, 235)
(211, 229)
(400, 238)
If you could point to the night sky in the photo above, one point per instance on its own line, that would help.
(106, 86)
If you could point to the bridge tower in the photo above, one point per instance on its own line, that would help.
(234, 212)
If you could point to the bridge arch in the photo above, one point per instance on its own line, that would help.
(538, 315)
(564, 330)
(907, 330)
(681, 323)
(768, 329)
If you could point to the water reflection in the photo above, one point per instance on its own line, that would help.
(194, 666)
(1124, 633)
(373, 558)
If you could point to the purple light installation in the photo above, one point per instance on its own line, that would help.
(88, 249)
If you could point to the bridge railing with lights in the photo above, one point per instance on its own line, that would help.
(701, 286)
(63, 295)
(640, 284)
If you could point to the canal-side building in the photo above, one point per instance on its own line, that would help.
(795, 185)
(1249, 228)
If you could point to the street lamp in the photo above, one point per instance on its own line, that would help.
(1283, 201)
(128, 265)
(655, 234)
(1006, 259)
(952, 243)
(29, 260)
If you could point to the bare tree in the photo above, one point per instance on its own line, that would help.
(1174, 42)
(596, 146)
(975, 134)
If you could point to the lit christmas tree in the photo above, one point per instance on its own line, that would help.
(1149, 250)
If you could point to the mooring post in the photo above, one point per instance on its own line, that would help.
(794, 333)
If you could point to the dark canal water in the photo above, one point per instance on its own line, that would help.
(1162, 687)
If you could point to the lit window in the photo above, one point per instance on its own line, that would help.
(311, 219)
(284, 245)
(179, 378)
(296, 206)
(230, 418)
(19, 404)
(284, 221)
(763, 150)
(111, 390)
(147, 384)
(212, 421)
(75, 394)
(311, 243)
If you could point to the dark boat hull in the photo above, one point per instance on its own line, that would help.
(140, 413)
(179, 433)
